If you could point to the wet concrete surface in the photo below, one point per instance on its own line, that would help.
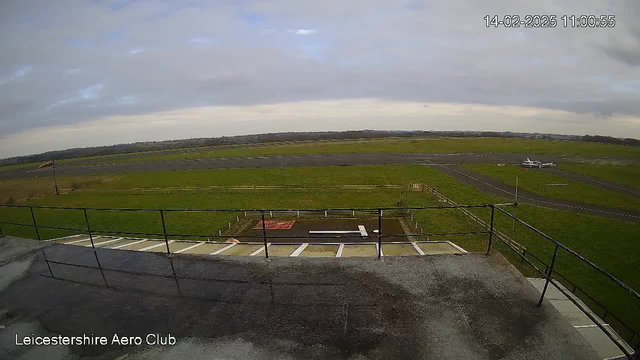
(284, 161)
(495, 187)
(438, 307)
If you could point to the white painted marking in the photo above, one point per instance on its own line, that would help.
(333, 232)
(299, 250)
(363, 231)
(415, 246)
(340, 249)
(259, 250)
(76, 241)
(156, 245)
(189, 248)
(125, 245)
(65, 237)
(224, 249)
(588, 326)
(457, 247)
(108, 241)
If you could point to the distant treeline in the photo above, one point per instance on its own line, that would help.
(289, 137)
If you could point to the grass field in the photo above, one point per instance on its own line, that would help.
(536, 181)
(627, 175)
(385, 145)
(414, 145)
(609, 243)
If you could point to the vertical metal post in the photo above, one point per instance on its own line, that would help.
(549, 274)
(164, 231)
(1, 233)
(493, 210)
(264, 235)
(55, 181)
(513, 226)
(379, 234)
(86, 219)
(47, 261)
(35, 225)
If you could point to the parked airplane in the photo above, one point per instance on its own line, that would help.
(536, 164)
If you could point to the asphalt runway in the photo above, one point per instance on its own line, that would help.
(282, 161)
(494, 187)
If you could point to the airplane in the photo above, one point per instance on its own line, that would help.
(536, 164)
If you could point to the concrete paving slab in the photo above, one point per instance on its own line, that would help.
(117, 243)
(600, 342)
(436, 248)
(281, 250)
(320, 251)
(359, 251)
(206, 249)
(399, 250)
(242, 250)
(135, 245)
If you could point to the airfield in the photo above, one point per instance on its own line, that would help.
(590, 203)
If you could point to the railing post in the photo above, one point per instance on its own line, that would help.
(379, 234)
(47, 261)
(35, 225)
(549, 274)
(86, 219)
(264, 235)
(493, 210)
(164, 231)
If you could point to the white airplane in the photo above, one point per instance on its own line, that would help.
(536, 164)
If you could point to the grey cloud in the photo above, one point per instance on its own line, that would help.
(207, 55)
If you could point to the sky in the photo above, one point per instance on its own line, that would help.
(90, 73)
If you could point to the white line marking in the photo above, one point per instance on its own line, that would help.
(457, 247)
(299, 250)
(189, 248)
(334, 232)
(223, 249)
(259, 250)
(340, 249)
(76, 241)
(107, 242)
(363, 231)
(156, 245)
(66, 237)
(415, 246)
(588, 326)
(125, 245)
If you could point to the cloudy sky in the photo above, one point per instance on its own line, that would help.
(83, 73)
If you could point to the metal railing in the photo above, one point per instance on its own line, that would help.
(631, 343)
(379, 213)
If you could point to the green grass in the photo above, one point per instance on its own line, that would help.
(536, 181)
(627, 175)
(609, 243)
(410, 145)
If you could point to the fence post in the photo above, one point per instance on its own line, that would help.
(549, 274)
(493, 210)
(379, 234)
(35, 225)
(86, 220)
(164, 231)
(264, 235)
(47, 261)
